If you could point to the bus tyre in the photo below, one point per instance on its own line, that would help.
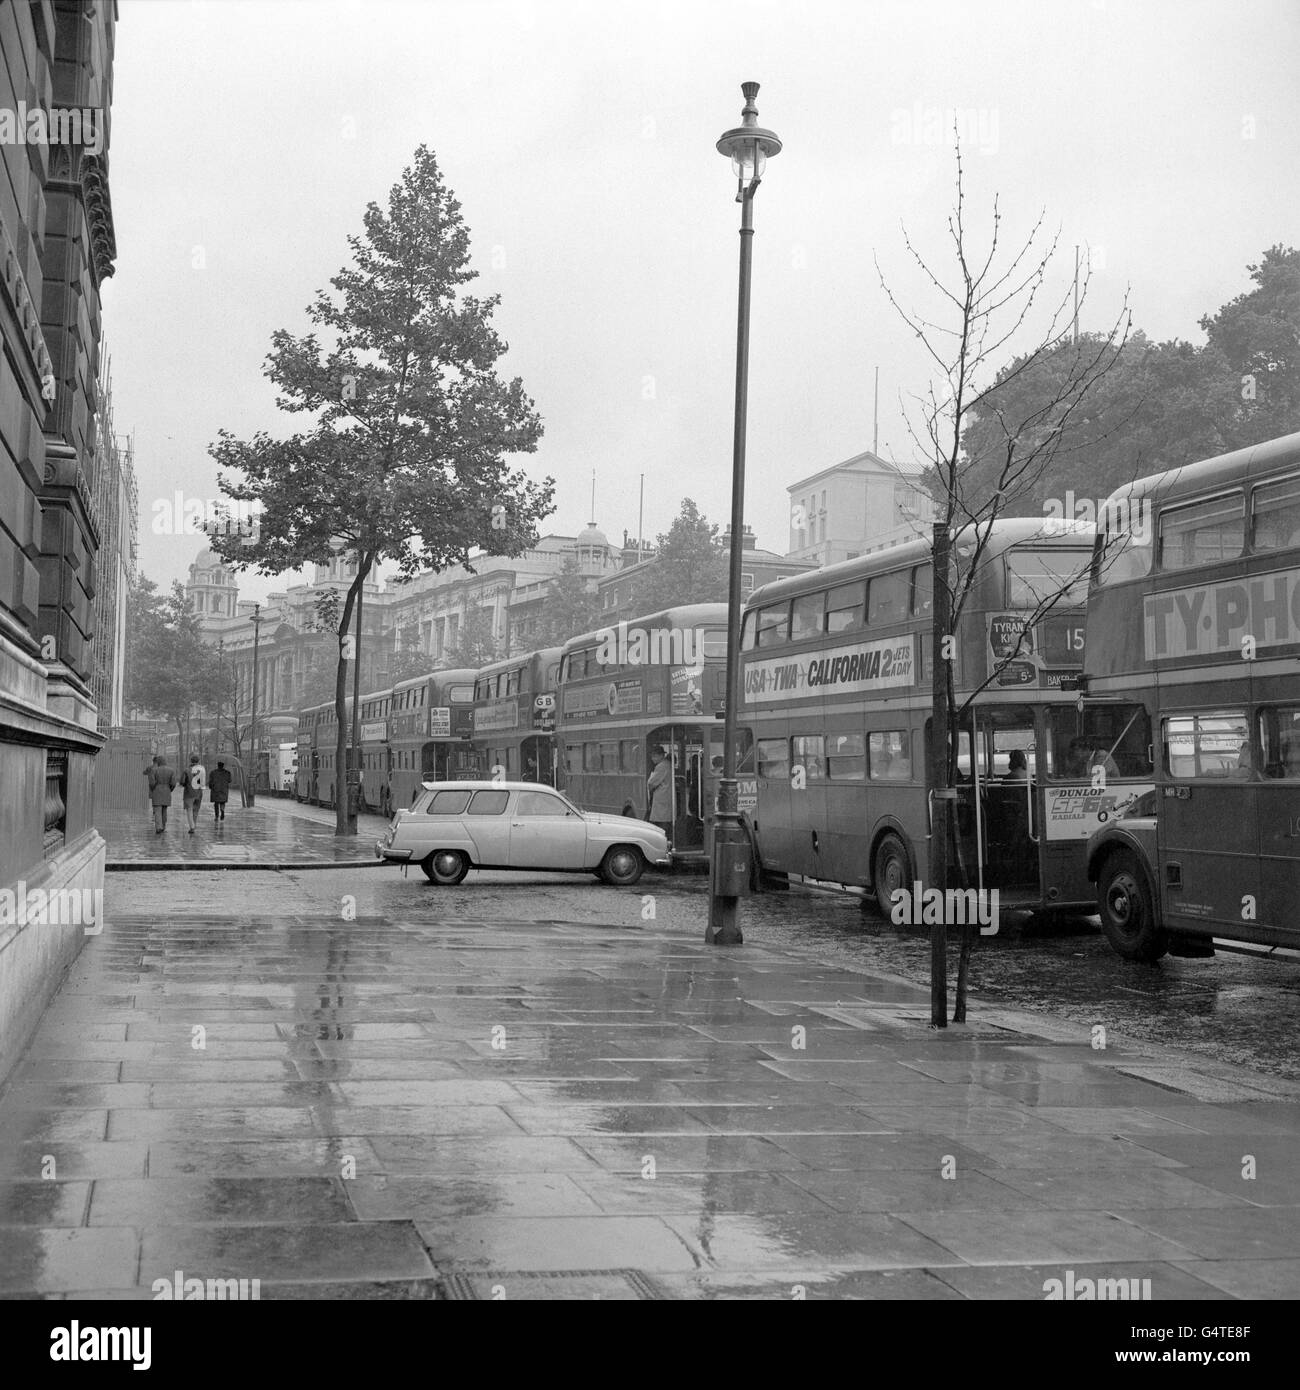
(445, 867)
(890, 872)
(1128, 914)
(622, 865)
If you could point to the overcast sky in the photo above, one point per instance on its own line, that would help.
(248, 136)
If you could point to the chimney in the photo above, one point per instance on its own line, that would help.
(747, 539)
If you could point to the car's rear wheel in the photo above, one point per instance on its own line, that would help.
(622, 865)
(1128, 912)
(445, 867)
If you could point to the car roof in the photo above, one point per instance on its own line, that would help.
(486, 784)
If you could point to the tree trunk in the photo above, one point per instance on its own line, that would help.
(940, 770)
(341, 823)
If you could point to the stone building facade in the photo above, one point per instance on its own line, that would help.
(864, 503)
(117, 507)
(416, 621)
(56, 250)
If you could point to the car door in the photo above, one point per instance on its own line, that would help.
(545, 832)
(489, 827)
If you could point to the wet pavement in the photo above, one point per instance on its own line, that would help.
(276, 832)
(359, 1086)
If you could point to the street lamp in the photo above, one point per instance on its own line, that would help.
(749, 147)
(252, 723)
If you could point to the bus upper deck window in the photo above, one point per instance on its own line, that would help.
(1121, 555)
(747, 632)
(1037, 576)
(1275, 515)
(713, 642)
(1203, 532)
(888, 596)
(807, 616)
(773, 625)
(844, 608)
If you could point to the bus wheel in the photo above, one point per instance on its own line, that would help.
(445, 867)
(1128, 915)
(622, 865)
(890, 871)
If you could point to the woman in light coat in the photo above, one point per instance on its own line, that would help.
(195, 780)
(660, 790)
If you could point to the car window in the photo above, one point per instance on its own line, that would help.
(488, 803)
(449, 803)
(539, 804)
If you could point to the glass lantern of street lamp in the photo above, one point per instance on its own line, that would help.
(749, 146)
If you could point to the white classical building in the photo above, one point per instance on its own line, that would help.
(864, 503)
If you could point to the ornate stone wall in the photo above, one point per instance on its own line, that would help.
(56, 249)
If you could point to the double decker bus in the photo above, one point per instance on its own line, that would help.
(1194, 612)
(315, 781)
(430, 724)
(514, 715)
(836, 682)
(376, 754)
(636, 686)
(305, 773)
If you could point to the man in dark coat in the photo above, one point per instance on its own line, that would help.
(219, 786)
(162, 782)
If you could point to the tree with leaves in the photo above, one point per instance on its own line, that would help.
(476, 642)
(1160, 405)
(169, 668)
(406, 456)
(1257, 337)
(987, 302)
(690, 564)
(407, 665)
(571, 608)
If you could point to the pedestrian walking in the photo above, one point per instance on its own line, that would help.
(659, 790)
(192, 796)
(219, 787)
(162, 781)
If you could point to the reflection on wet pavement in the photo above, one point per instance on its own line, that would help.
(430, 1094)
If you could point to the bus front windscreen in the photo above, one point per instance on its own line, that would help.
(1035, 577)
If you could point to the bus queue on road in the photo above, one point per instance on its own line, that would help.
(1129, 736)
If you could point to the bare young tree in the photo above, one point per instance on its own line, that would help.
(989, 306)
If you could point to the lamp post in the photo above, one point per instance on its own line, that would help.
(252, 723)
(221, 680)
(749, 147)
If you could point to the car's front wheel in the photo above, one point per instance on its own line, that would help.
(445, 867)
(1128, 911)
(622, 865)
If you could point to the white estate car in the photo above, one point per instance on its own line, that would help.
(457, 826)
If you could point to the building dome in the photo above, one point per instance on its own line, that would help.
(212, 591)
(593, 537)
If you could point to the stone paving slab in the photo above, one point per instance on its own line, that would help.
(408, 1109)
(274, 833)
